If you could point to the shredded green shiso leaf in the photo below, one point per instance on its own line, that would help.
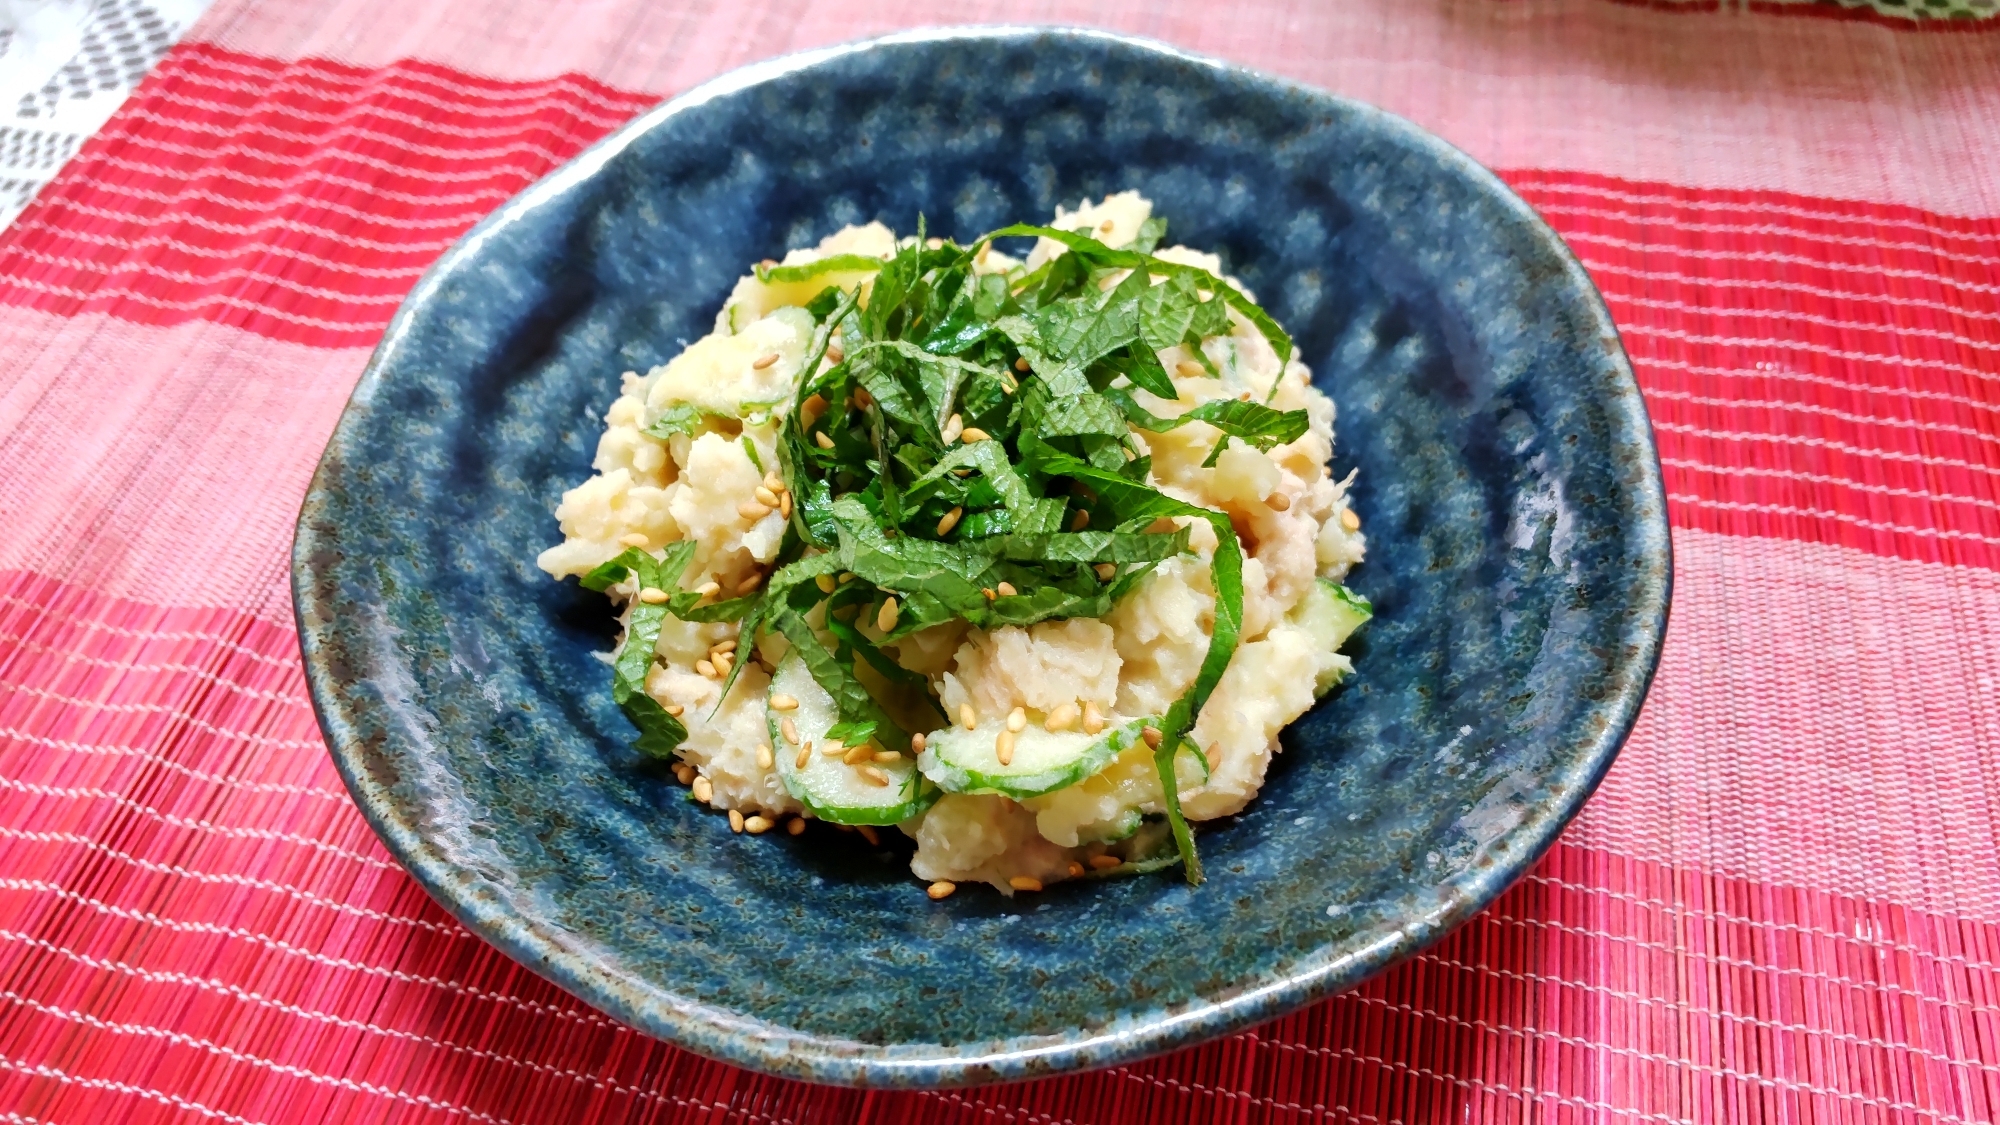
(880, 446)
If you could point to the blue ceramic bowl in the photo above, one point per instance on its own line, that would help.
(1518, 562)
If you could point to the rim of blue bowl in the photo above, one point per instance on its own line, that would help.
(732, 1037)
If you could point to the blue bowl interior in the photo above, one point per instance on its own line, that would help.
(1517, 561)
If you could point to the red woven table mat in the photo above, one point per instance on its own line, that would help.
(1783, 905)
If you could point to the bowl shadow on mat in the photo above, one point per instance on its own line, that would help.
(1510, 490)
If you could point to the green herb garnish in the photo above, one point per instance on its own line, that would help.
(659, 732)
(679, 418)
(970, 457)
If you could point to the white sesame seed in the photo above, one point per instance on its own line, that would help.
(825, 583)
(653, 595)
(704, 791)
(1021, 363)
(820, 439)
(874, 776)
(783, 702)
(795, 826)
(1278, 502)
(940, 890)
(789, 729)
(953, 427)
(1153, 736)
(1093, 719)
(948, 521)
(726, 644)
(752, 510)
(805, 757)
(763, 361)
(917, 743)
(973, 434)
(1003, 747)
(1075, 869)
(675, 710)
(765, 760)
(1349, 520)
(1017, 720)
(708, 589)
(1105, 862)
(1062, 718)
(774, 482)
(1189, 369)
(967, 717)
(735, 821)
(857, 755)
(834, 354)
(886, 619)
(756, 825)
(634, 540)
(1006, 589)
(1081, 521)
(1106, 571)
(705, 668)
(785, 504)
(1025, 883)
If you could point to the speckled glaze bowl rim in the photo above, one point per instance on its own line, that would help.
(736, 1038)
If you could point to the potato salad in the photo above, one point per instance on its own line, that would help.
(1030, 559)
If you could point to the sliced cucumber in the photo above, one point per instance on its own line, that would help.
(1110, 832)
(833, 790)
(1331, 613)
(1150, 848)
(1043, 761)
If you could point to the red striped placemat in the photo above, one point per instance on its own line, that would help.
(1783, 905)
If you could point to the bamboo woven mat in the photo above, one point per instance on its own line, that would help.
(1783, 905)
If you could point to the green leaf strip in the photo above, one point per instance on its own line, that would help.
(1100, 254)
(1255, 423)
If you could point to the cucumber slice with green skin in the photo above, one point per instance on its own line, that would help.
(1128, 822)
(964, 761)
(1331, 613)
(1352, 611)
(1143, 854)
(833, 790)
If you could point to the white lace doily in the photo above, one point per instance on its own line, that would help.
(65, 65)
